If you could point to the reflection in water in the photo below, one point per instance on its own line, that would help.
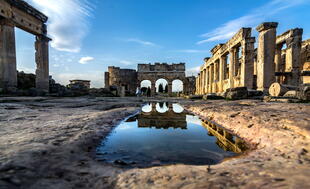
(164, 133)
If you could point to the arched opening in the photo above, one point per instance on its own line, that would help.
(161, 86)
(177, 86)
(25, 59)
(145, 85)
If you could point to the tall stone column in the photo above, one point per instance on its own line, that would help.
(212, 77)
(210, 80)
(278, 61)
(153, 88)
(206, 81)
(8, 72)
(170, 88)
(222, 72)
(42, 60)
(265, 55)
(232, 62)
(202, 81)
(293, 57)
(197, 85)
(247, 63)
(215, 74)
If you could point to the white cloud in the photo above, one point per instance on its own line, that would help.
(141, 42)
(96, 78)
(26, 69)
(227, 30)
(126, 62)
(193, 71)
(86, 60)
(192, 51)
(67, 24)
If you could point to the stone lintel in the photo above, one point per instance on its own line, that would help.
(216, 48)
(206, 59)
(266, 26)
(22, 5)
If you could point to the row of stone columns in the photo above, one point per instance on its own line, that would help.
(211, 78)
(8, 72)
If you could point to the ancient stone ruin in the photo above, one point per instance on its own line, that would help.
(237, 64)
(123, 80)
(161, 71)
(126, 81)
(14, 13)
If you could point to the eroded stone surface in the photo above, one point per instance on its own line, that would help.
(49, 143)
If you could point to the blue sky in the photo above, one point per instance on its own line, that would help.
(90, 35)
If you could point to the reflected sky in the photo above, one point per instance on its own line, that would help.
(159, 136)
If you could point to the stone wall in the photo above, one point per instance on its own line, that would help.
(161, 67)
(121, 78)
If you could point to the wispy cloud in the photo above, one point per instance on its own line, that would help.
(96, 78)
(141, 42)
(68, 22)
(86, 59)
(193, 71)
(126, 62)
(252, 19)
(192, 51)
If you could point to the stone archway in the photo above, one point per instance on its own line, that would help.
(156, 71)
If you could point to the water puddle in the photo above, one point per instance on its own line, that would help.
(164, 134)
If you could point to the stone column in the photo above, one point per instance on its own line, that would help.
(293, 57)
(265, 55)
(222, 72)
(232, 59)
(210, 80)
(202, 81)
(42, 60)
(197, 85)
(212, 77)
(8, 72)
(247, 63)
(206, 81)
(170, 88)
(153, 88)
(278, 61)
(215, 72)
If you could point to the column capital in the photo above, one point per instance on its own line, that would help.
(43, 38)
(266, 26)
(6, 22)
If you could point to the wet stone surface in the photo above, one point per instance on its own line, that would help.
(165, 134)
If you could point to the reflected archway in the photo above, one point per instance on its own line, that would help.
(177, 108)
(147, 108)
(162, 107)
